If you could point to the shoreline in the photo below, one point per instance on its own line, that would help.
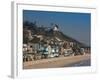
(55, 62)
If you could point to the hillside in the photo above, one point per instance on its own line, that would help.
(49, 33)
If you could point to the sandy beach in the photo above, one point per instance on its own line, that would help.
(56, 62)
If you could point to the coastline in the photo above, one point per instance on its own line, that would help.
(56, 62)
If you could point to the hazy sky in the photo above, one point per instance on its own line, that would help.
(75, 25)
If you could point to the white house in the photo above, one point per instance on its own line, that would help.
(55, 28)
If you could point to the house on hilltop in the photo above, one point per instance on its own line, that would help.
(55, 28)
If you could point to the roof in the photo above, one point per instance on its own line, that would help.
(35, 40)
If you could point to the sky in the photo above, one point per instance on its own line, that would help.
(75, 25)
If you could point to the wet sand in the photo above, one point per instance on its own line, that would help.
(80, 63)
(57, 62)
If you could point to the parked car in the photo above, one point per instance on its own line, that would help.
(68, 52)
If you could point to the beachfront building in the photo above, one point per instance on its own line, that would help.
(55, 28)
